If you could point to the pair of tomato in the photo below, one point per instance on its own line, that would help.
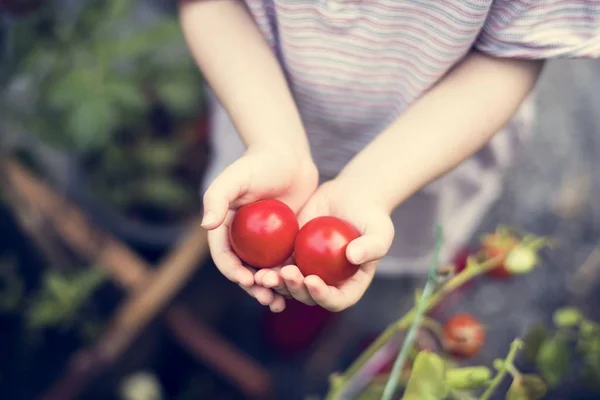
(266, 233)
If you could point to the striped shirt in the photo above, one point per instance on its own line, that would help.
(354, 66)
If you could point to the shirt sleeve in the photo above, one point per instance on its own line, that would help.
(541, 29)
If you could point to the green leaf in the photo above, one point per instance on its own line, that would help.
(86, 282)
(166, 192)
(566, 317)
(72, 88)
(590, 375)
(527, 387)
(588, 343)
(516, 391)
(160, 154)
(461, 395)
(142, 42)
(58, 288)
(553, 359)
(533, 340)
(126, 94)
(427, 380)
(468, 377)
(93, 122)
(588, 330)
(45, 311)
(116, 9)
(179, 95)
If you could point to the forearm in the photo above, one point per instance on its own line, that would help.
(448, 124)
(242, 71)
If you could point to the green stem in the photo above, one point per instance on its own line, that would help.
(515, 347)
(433, 326)
(404, 323)
(392, 383)
(514, 372)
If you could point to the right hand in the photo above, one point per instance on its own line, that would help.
(261, 173)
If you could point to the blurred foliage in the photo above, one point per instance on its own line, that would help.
(62, 297)
(96, 80)
(571, 346)
(59, 300)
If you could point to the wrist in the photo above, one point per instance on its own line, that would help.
(289, 155)
(353, 187)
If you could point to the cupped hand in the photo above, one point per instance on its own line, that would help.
(261, 173)
(369, 215)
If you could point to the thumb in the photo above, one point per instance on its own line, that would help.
(223, 191)
(374, 243)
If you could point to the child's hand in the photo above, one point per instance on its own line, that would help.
(261, 173)
(353, 204)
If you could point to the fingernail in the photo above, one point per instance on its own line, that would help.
(209, 218)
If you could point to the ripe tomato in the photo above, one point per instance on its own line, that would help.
(262, 234)
(321, 249)
(463, 336)
(495, 245)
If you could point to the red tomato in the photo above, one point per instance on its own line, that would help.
(463, 336)
(321, 249)
(262, 234)
(498, 246)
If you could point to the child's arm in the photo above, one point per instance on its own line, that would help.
(247, 79)
(447, 125)
(243, 72)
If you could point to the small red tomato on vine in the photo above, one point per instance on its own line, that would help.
(320, 249)
(463, 336)
(262, 234)
(496, 246)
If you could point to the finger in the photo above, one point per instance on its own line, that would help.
(263, 295)
(225, 259)
(220, 194)
(278, 304)
(294, 282)
(349, 293)
(274, 281)
(374, 243)
(258, 276)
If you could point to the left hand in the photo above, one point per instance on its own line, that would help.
(342, 199)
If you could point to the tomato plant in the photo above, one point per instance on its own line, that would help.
(423, 372)
(320, 249)
(262, 233)
(463, 335)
